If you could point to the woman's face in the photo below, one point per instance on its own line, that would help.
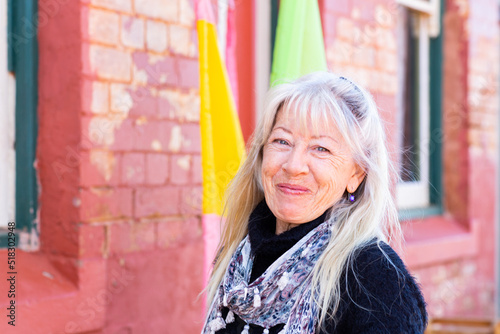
(305, 173)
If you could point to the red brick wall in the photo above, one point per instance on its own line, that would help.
(140, 179)
(119, 169)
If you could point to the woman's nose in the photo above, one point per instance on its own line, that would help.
(296, 162)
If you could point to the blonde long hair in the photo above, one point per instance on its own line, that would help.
(320, 96)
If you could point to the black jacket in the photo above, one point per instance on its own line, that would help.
(379, 297)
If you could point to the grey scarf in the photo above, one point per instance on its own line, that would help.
(281, 295)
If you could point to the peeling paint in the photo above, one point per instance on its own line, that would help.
(102, 130)
(156, 145)
(355, 13)
(100, 98)
(175, 139)
(184, 162)
(187, 16)
(153, 59)
(181, 41)
(365, 50)
(133, 172)
(77, 202)
(383, 16)
(158, 69)
(121, 100)
(48, 275)
(140, 75)
(102, 191)
(104, 161)
(29, 241)
(141, 120)
(184, 107)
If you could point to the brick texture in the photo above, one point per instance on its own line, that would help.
(448, 291)
(166, 10)
(182, 41)
(361, 44)
(158, 201)
(118, 5)
(92, 240)
(100, 168)
(118, 162)
(174, 232)
(178, 105)
(157, 168)
(181, 168)
(99, 103)
(165, 114)
(132, 32)
(110, 63)
(103, 26)
(157, 36)
(104, 203)
(186, 13)
(133, 169)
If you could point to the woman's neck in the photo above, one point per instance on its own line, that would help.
(282, 226)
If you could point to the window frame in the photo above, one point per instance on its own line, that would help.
(433, 133)
(412, 194)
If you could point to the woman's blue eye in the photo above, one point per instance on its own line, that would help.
(281, 141)
(322, 149)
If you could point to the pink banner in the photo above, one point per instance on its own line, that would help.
(204, 11)
(211, 237)
(231, 50)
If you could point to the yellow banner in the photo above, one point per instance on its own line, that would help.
(222, 145)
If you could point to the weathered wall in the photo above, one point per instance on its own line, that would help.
(140, 174)
(119, 170)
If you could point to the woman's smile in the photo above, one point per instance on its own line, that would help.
(292, 189)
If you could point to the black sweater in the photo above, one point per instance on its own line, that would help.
(378, 298)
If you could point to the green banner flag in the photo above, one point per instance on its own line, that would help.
(299, 47)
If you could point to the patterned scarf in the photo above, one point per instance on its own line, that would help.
(282, 295)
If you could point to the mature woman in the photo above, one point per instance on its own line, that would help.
(309, 216)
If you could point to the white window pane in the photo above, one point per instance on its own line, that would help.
(413, 192)
(412, 195)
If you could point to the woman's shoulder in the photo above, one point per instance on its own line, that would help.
(376, 269)
(381, 293)
(378, 255)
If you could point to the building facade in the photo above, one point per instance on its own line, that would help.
(105, 96)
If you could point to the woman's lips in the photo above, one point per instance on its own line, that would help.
(292, 189)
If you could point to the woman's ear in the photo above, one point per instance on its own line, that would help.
(357, 177)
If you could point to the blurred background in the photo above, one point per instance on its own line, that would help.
(100, 158)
